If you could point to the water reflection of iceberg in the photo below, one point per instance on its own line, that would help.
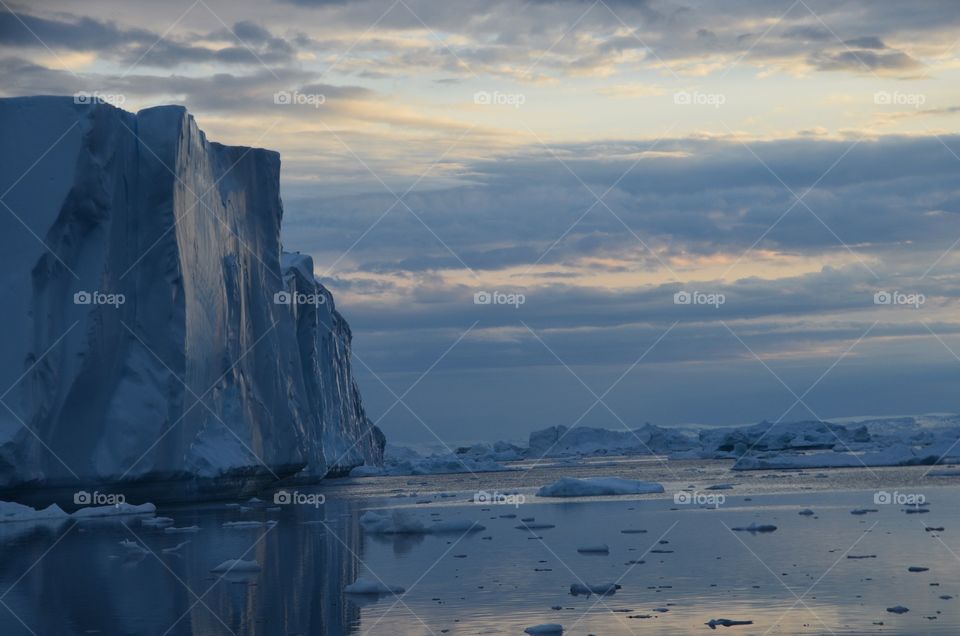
(72, 579)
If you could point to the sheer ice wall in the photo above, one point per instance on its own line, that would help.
(201, 371)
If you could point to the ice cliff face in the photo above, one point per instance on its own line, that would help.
(150, 329)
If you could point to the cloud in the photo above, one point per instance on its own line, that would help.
(709, 199)
(247, 43)
(865, 61)
(536, 44)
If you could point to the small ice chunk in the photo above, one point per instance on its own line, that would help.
(898, 609)
(603, 589)
(806, 512)
(756, 527)
(917, 568)
(725, 622)
(600, 548)
(114, 510)
(175, 548)
(545, 628)
(249, 524)
(157, 522)
(863, 511)
(720, 487)
(133, 546)
(365, 585)
(183, 530)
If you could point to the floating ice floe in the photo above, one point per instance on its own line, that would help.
(598, 487)
(114, 511)
(545, 628)
(183, 530)
(600, 548)
(157, 522)
(174, 549)
(898, 609)
(602, 589)
(756, 527)
(11, 511)
(133, 546)
(249, 524)
(237, 565)
(713, 623)
(365, 585)
(402, 522)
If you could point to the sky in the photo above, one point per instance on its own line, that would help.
(580, 212)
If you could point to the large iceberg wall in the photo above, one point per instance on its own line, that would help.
(142, 336)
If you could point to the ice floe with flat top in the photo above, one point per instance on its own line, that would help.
(116, 510)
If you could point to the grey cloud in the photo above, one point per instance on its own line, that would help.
(866, 42)
(252, 44)
(80, 33)
(889, 194)
(865, 61)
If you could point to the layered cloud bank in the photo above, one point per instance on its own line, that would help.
(151, 329)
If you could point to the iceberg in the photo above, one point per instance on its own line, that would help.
(10, 511)
(154, 330)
